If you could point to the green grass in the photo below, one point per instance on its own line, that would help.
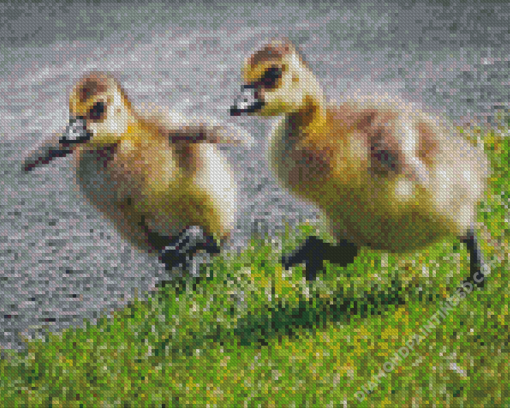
(251, 334)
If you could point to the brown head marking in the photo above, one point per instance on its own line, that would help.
(93, 84)
(273, 51)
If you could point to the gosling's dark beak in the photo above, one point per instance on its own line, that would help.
(247, 101)
(57, 145)
(76, 132)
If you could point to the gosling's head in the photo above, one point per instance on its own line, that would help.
(277, 81)
(99, 113)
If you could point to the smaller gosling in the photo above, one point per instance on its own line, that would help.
(164, 184)
(386, 176)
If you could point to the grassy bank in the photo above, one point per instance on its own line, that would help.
(251, 334)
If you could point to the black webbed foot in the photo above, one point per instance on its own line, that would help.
(342, 253)
(315, 251)
(476, 263)
(172, 258)
(191, 240)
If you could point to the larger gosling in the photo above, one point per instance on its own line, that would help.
(386, 176)
(164, 184)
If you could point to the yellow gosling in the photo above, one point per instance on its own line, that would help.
(385, 174)
(163, 183)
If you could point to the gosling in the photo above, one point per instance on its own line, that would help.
(163, 183)
(385, 175)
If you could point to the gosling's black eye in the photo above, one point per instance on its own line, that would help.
(271, 76)
(97, 111)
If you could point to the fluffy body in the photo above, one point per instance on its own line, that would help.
(149, 171)
(386, 174)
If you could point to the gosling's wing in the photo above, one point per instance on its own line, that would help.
(417, 143)
(393, 137)
(209, 132)
(408, 149)
(182, 129)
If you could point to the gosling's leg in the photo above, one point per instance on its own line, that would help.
(315, 251)
(477, 278)
(191, 240)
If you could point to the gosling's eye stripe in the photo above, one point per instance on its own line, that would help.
(97, 111)
(272, 72)
(267, 79)
(271, 76)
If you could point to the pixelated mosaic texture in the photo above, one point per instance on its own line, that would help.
(63, 262)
